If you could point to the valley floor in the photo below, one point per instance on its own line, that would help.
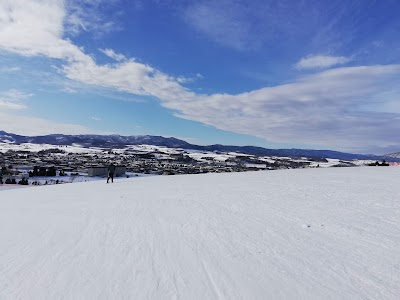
(290, 234)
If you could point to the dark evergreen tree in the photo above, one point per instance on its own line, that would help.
(42, 171)
(51, 171)
(35, 171)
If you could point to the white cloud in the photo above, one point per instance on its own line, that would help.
(129, 76)
(323, 109)
(24, 125)
(110, 53)
(9, 69)
(182, 79)
(10, 105)
(69, 90)
(13, 99)
(35, 28)
(326, 108)
(321, 61)
(94, 118)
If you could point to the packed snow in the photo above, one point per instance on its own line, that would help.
(288, 234)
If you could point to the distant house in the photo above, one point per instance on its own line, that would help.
(103, 171)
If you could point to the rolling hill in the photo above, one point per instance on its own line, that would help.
(118, 141)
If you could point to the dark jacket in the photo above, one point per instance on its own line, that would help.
(111, 169)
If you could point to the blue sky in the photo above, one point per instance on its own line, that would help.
(278, 74)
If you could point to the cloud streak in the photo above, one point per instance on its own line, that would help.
(25, 125)
(222, 22)
(321, 61)
(111, 54)
(13, 100)
(86, 16)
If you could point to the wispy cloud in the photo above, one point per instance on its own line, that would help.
(244, 25)
(25, 125)
(222, 21)
(110, 53)
(378, 44)
(182, 79)
(69, 90)
(87, 16)
(95, 118)
(13, 99)
(10, 105)
(9, 69)
(321, 61)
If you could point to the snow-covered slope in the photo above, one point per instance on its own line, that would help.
(392, 155)
(118, 141)
(292, 234)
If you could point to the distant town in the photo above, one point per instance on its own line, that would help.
(53, 164)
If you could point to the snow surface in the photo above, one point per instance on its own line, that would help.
(288, 234)
(38, 147)
(4, 187)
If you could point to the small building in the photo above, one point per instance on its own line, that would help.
(103, 171)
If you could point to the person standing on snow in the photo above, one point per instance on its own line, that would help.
(111, 171)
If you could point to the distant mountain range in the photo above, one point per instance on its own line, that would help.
(118, 141)
(390, 156)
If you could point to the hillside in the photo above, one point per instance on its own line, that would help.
(118, 141)
(290, 234)
(390, 156)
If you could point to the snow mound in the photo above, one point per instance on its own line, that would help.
(292, 234)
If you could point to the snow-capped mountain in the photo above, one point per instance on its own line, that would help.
(91, 140)
(390, 156)
(118, 141)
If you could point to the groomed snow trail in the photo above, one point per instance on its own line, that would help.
(292, 234)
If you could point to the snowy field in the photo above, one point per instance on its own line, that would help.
(291, 234)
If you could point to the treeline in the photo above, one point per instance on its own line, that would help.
(45, 172)
(23, 181)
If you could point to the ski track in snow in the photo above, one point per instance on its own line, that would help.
(290, 234)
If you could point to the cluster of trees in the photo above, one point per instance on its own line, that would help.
(23, 181)
(10, 181)
(37, 171)
(5, 170)
(42, 171)
(383, 164)
(52, 150)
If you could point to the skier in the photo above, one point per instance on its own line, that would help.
(111, 170)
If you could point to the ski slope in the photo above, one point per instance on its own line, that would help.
(290, 234)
